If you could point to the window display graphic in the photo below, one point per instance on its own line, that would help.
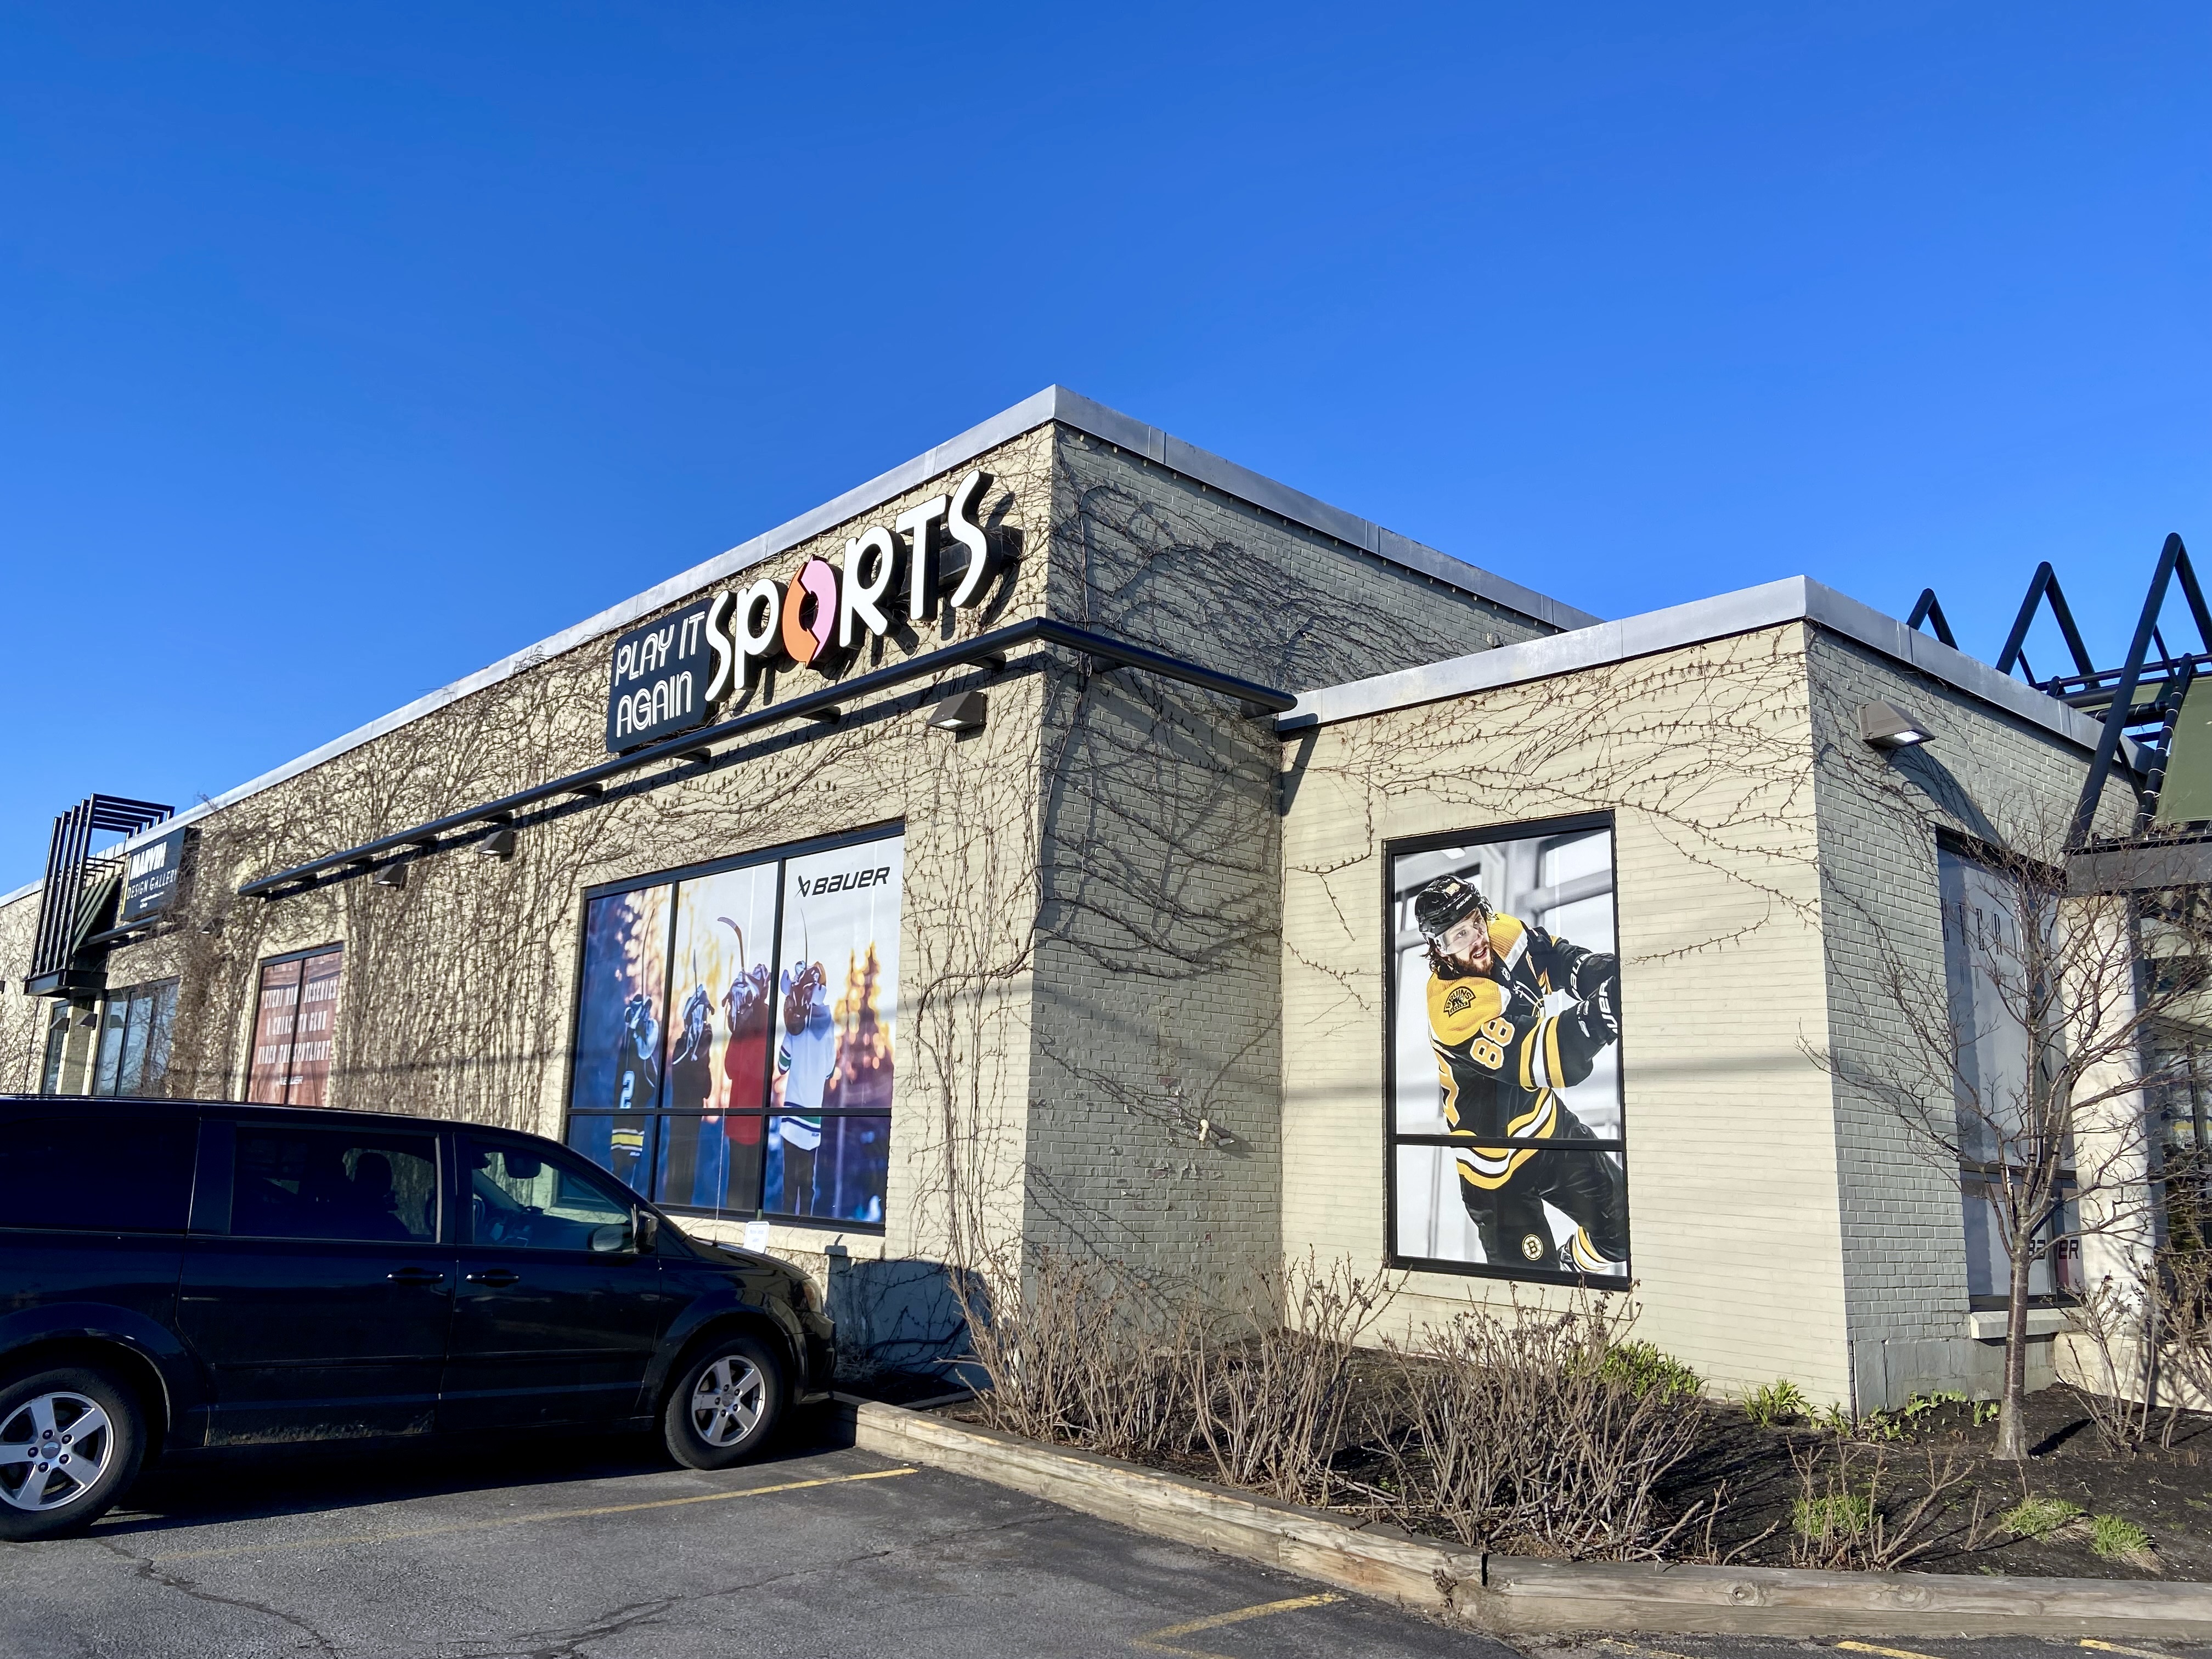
(618, 1054)
(837, 992)
(717, 1042)
(294, 1031)
(1506, 1142)
(735, 1034)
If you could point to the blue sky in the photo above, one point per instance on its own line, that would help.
(344, 350)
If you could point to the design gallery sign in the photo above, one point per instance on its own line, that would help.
(667, 674)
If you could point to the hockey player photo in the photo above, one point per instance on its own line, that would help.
(716, 1067)
(828, 1146)
(618, 1037)
(1507, 1122)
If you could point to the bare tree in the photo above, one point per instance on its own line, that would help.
(2020, 1059)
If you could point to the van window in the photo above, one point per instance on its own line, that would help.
(524, 1201)
(335, 1184)
(99, 1171)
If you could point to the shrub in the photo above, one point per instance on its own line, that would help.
(2039, 1518)
(1774, 1403)
(2121, 1541)
(1644, 1370)
(1834, 1517)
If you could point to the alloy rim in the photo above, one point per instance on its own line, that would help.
(53, 1450)
(727, 1402)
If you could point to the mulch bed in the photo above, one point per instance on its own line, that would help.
(2168, 1493)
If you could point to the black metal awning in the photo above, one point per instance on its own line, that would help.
(990, 650)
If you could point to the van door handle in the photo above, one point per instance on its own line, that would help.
(495, 1276)
(415, 1276)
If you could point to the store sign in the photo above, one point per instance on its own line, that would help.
(667, 674)
(659, 687)
(150, 874)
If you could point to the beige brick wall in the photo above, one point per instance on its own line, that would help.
(1705, 757)
(1160, 995)
(1985, 776)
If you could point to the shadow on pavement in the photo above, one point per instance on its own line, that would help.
(264, 1482)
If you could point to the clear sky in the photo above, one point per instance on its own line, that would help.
(345, 350)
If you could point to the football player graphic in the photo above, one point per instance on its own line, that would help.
(1501, 1060)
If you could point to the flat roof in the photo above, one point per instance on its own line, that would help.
(1794, 598)
(1054, 402)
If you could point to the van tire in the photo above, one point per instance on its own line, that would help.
(727, 1404)
(38, 1409)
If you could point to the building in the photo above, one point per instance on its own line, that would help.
(1032, 846)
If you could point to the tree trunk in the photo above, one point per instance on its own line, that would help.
(2012, 1422)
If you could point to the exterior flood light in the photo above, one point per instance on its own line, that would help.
(1887, 727)
(390, 875)
(500, 844)
(962, 713)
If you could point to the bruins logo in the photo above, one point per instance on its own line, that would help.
(1459, 997)
(1531, 1247)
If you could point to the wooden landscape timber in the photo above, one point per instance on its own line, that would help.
(1516, 1595)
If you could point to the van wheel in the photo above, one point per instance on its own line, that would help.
(72, 1439)
(726, 1405)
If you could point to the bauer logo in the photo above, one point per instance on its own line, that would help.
(843, 882)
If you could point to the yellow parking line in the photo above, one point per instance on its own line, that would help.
(522, 1520)
(1156, 1641)
(1887, 1653)
(2114, 1647)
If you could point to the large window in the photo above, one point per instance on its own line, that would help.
(134, 1039)
(734, 1034)
(295, 1017)
(1989, 974)
(1506, 1140)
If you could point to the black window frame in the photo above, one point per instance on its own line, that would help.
(157, 1019)
(654, 1120)
(329, 947)
(1393, 850)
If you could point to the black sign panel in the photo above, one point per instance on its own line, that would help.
(658, 684)
(150, 874)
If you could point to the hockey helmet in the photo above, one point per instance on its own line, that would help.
(1444, 904)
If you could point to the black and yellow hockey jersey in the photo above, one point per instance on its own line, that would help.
(1500, 1057)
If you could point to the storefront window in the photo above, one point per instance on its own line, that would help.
(1506, 1148)
(735, 1034)
(294, 1028)
(134, 1039)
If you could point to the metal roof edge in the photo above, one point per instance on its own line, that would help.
(1054, 402)
(1794, 598)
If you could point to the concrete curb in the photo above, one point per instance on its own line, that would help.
(1511, 1595)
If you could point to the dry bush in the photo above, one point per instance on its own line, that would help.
(1077, 1353)
(2185, 1324)
(1521, 1430)
(1271, 1393)
(2124, 1399)
(1857, 1510)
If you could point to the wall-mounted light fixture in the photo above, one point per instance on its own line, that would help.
(389, 875)
(1885, 726)
(500, 844)
(963, 712)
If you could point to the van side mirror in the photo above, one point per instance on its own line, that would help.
(648, 1232)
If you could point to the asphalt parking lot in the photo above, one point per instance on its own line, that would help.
(596, 1550)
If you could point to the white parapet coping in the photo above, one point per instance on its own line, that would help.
(1054, 402)
(1794, 598)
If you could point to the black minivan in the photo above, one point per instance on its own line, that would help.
(178, 1276)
